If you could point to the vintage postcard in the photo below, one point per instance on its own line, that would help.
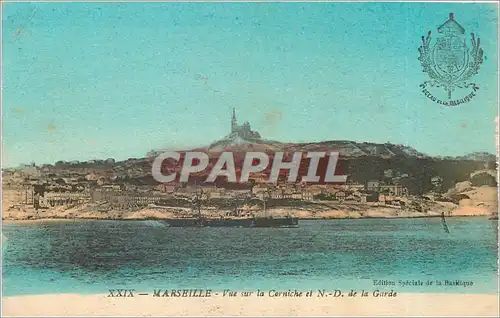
(249, 159)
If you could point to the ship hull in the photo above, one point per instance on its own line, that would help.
(184, 222)
(246, 222)
(276, 222)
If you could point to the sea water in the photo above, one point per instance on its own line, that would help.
(95, 256)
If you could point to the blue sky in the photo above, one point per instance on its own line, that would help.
(98, 80)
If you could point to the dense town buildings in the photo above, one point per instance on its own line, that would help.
(128, 184)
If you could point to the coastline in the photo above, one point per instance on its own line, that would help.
(404, 304)
(67, 220)
(482, 201)
(361, 212)
(41, 220)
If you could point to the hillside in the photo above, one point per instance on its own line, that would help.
(361, 161)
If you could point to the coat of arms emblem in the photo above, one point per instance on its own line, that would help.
(450, 63)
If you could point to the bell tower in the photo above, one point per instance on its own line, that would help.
(234, 123)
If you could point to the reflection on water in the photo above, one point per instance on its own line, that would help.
(91, 256)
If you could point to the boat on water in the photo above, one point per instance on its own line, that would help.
(198, 220)
(287, 221)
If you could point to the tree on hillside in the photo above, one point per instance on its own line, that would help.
(482, 179)
(437, 184)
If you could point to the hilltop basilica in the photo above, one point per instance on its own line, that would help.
(244, 131)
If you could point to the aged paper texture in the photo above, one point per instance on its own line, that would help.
(249, 159)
